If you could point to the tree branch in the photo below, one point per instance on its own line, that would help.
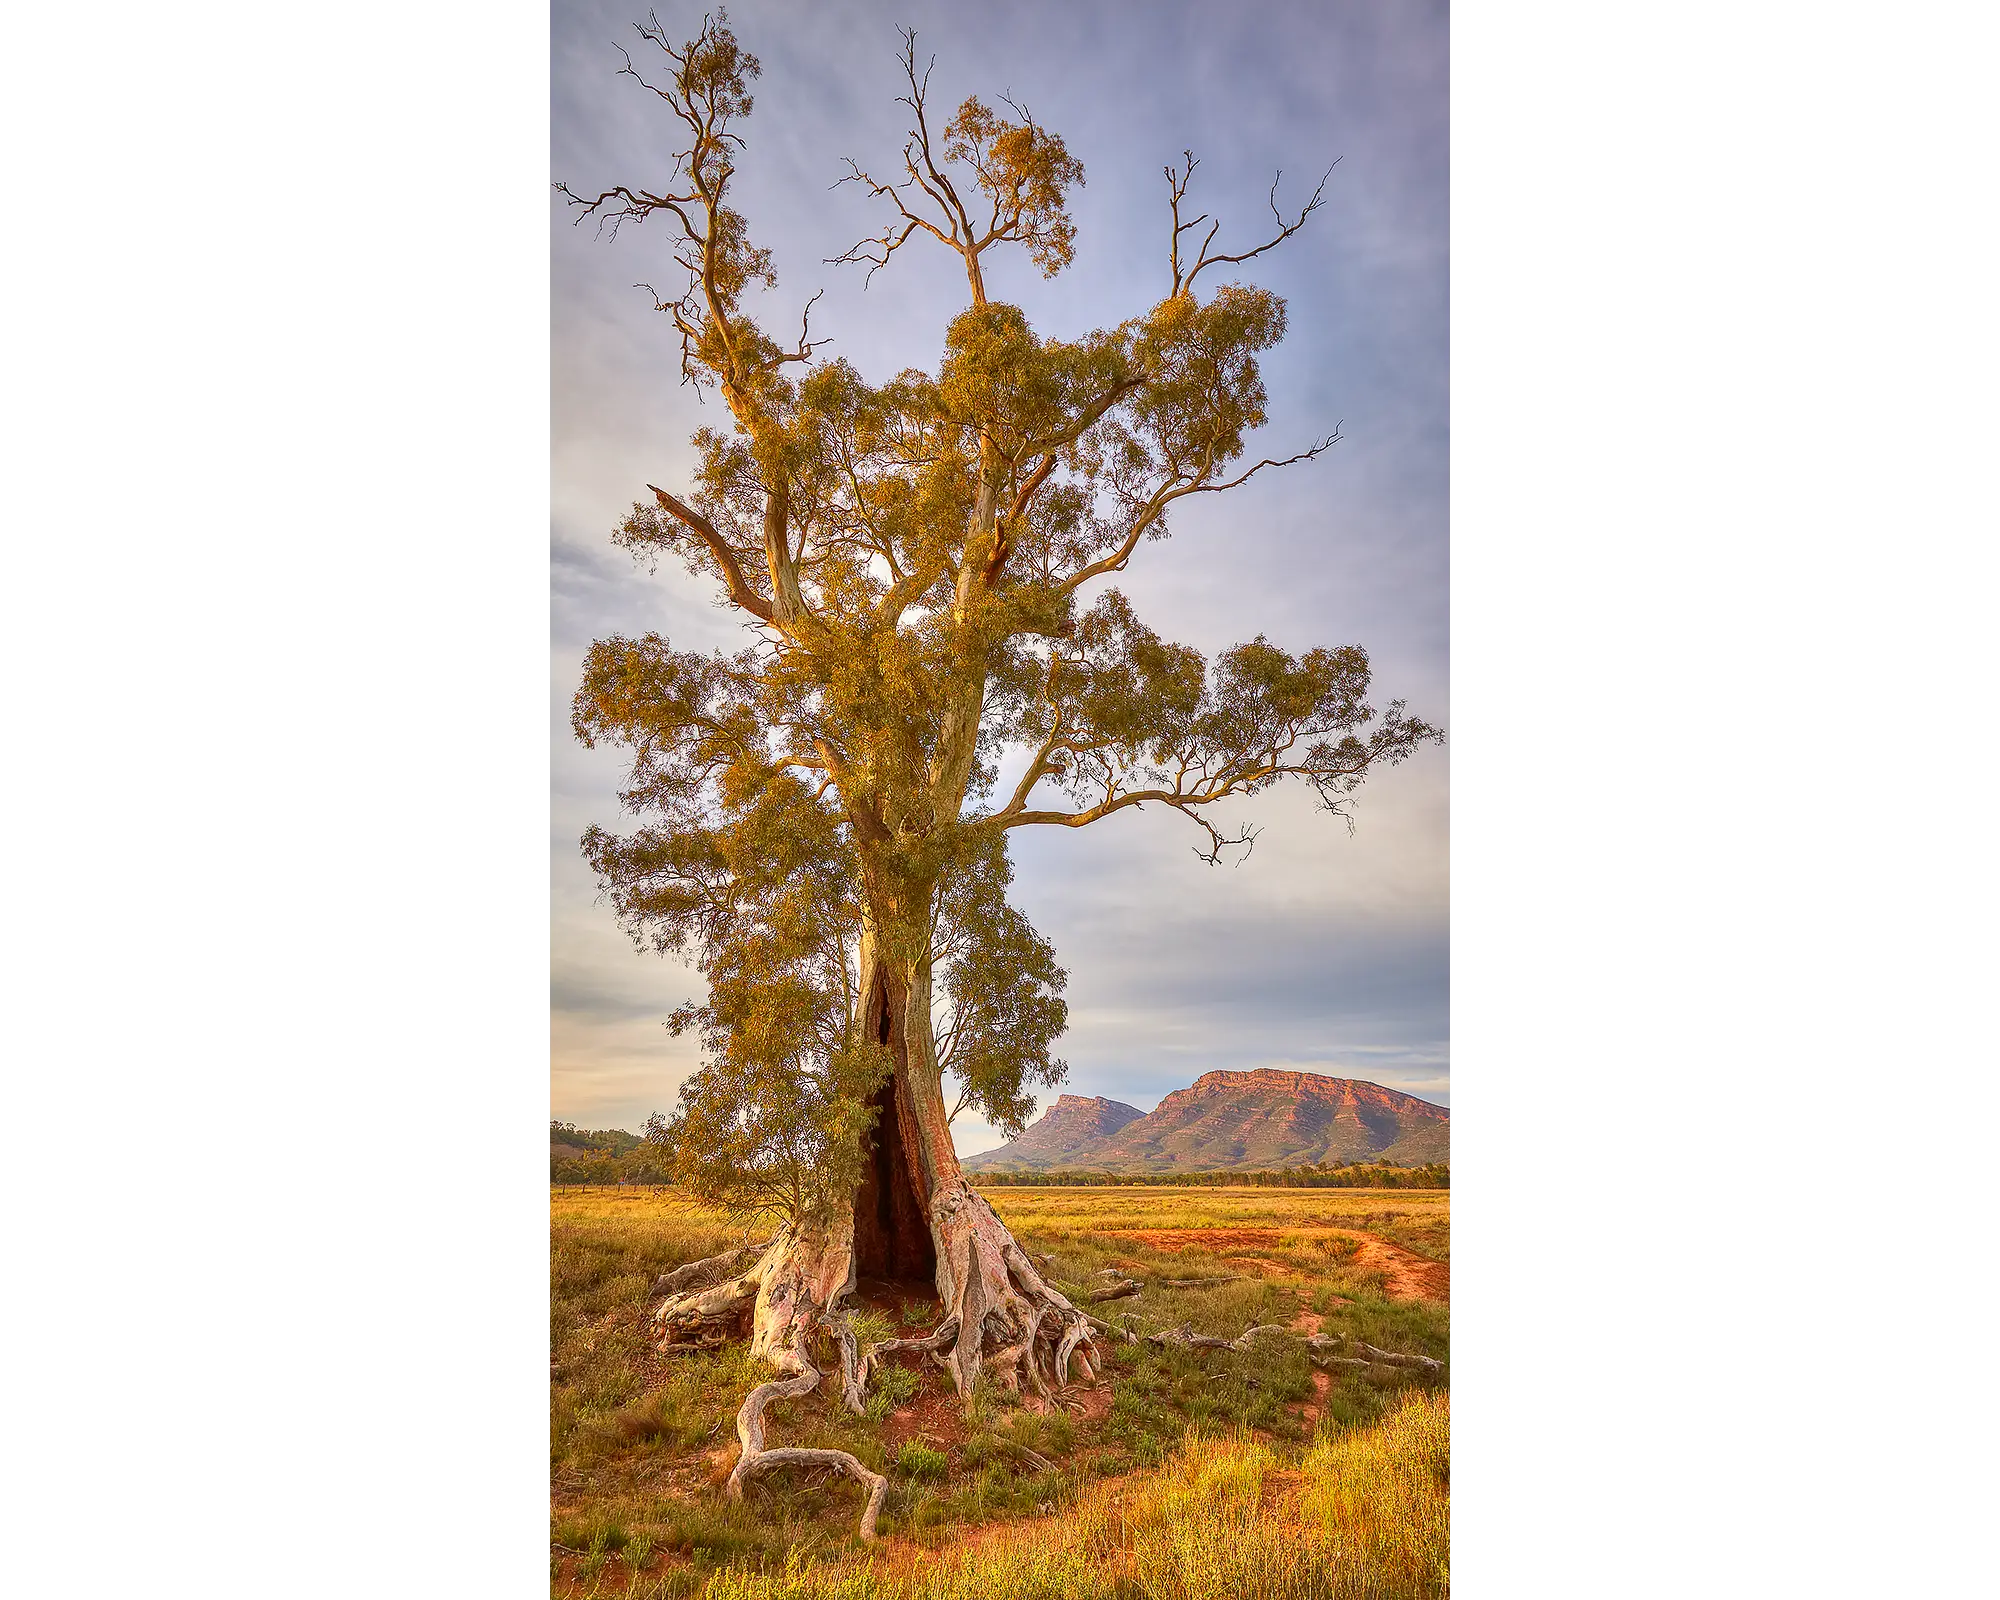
(732, 572)
(1178, 184)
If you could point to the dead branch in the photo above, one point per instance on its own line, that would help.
(1125, 1334)
(1391, 1359)
(1177, 188)
(1039, 1463)
(1321, 1347)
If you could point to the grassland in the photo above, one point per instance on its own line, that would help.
(1203, 1473)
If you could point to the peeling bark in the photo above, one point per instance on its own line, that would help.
(703, 1274)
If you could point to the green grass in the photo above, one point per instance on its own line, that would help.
(640, 1444)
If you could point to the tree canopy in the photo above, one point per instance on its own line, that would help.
(921, 567)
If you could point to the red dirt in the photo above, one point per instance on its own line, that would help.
(1322, 1386)
(936, 1418)
(1410, 1277)
(1282, 1484)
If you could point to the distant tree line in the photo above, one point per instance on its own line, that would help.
(610, 1141)
(1331, 1175)
(613, 1156)
(609, 1155)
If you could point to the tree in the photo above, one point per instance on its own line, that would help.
(919, 565)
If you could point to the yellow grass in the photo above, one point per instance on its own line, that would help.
(1417, 1219)
(1166, 1205)
(1364, 1516)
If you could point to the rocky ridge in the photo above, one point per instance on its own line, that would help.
(1228, 1121)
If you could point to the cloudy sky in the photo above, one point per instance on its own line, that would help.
(1324, 950)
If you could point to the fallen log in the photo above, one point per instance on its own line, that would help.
(1322, 1348)
(1392, 1359)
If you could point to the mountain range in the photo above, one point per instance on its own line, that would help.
(1231, 1121)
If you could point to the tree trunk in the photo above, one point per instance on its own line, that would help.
(916, 1216)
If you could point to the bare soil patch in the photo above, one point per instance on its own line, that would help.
(1410, 1277)
(936, 1419)
(1322, 1387)
(1281, 1485)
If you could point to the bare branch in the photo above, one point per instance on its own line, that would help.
(1178, 185)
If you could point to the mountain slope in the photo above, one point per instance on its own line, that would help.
(1229, 1121)
(1074, 1123)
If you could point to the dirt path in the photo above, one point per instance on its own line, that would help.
(1322, 1387)
(1409, 1277)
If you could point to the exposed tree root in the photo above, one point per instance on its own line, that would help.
(1000, 1312)
(714, 1300)
(859, 1369)
(1188, 1339)
(1125, 1334)
(1039, 1463)
(1009, 1317)
(795, 1287)
(703, 1274)
(756, 1461)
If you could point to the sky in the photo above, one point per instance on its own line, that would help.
(1325, 950)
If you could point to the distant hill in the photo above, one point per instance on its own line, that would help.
(1073, 1123)
(1228, 1121)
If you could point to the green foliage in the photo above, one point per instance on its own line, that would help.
(894, 1386)
(920, 1461)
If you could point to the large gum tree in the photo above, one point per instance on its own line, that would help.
(920, 566)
